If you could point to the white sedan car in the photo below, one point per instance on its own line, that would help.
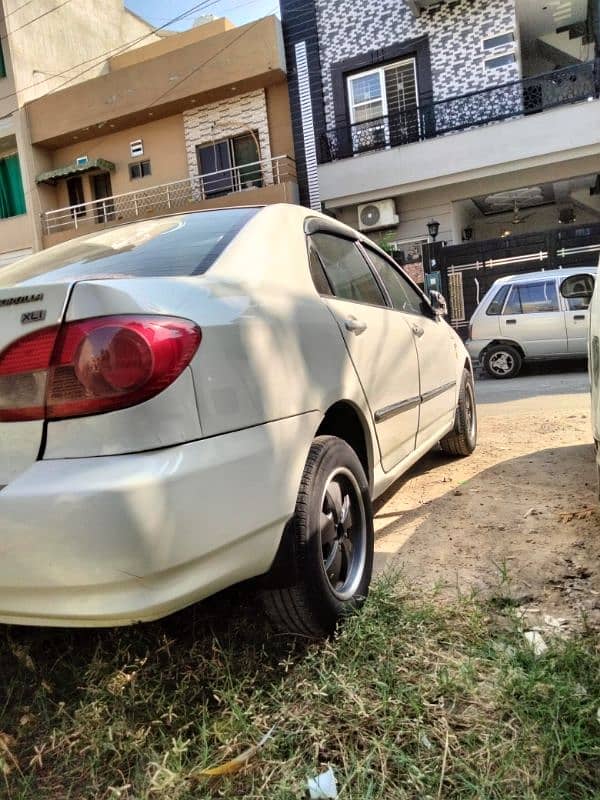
(195, 400)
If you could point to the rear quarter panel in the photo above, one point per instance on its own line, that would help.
(270, 347)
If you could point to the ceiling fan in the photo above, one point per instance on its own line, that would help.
(517, 218)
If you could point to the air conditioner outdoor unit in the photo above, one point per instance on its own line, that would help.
(381, 214)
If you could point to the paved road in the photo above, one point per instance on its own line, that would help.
(541, 389)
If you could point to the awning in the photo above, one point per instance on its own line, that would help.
(76, 168)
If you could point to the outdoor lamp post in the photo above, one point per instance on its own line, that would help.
(431, 278)
(433, 228)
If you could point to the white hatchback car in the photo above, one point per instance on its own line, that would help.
(525, 318)
(195, 400)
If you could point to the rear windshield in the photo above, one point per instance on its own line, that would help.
(172, 246)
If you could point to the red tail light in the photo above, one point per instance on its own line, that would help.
(93, 366)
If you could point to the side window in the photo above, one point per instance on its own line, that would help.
(404, 297)
(347, 271)
(317, 272)
(583, 283)
(495, 307)
(532, 298)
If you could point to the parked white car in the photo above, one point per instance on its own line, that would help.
(525, 318)
(584, 290)
(194, 400)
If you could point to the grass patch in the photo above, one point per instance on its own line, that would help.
(412, 700)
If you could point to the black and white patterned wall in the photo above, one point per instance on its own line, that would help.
(456, 30)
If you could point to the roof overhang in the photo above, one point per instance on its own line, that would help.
(76, 168)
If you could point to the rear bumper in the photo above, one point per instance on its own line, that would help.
(121, 539)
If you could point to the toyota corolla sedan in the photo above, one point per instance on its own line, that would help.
(194, 400)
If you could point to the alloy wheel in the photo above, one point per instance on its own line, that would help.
(343, 533)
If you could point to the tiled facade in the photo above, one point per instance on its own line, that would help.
(224, 119)
(455, 32)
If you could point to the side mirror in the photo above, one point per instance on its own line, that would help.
(438, 303)
(578, 286)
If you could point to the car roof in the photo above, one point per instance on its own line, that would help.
(525, 277)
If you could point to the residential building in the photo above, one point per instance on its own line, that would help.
(43, 47)
(479, 115)
(197, 120)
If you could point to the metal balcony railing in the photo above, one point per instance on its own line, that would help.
(510, 100)
(171, 196)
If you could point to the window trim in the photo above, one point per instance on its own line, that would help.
(417, 48)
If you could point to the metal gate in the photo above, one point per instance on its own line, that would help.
(469, 269)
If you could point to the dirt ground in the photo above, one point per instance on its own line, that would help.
(519, 520)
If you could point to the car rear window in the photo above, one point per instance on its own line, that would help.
(171, 246)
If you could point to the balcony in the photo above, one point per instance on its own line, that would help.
(508, 101)
(260, 183)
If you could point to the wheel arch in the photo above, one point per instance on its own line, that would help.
(501, 341)
(346, 421)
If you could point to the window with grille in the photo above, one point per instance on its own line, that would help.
(384, 105)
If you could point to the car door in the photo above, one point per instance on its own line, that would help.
(436, 345)
(576, 321)
(533, 318)
(379, 341)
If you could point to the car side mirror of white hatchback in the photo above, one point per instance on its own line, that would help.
(578, 286)
(438, 303)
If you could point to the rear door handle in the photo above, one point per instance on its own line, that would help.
(511, 321)
(579, 316)
(418, 330)
(355, 326)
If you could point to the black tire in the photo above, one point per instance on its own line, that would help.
(462, 439)
(326, 527)
(502, 361)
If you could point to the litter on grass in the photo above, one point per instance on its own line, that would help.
(239, 762)
(324, 786)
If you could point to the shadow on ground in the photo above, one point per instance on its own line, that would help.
(529, 522)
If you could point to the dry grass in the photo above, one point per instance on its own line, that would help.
(412, 700)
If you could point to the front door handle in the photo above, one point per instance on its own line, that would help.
(418, 330)
(579, 316)
(511, 321)
(355, 326)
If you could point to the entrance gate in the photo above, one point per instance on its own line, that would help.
(469, 269)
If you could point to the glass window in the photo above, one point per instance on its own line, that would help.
(179, 245)
(347, 271)
(404, 297)
(318, 273)
(140, 169)
(366, 96)
(495, 307)
(2, 64)
(532, 298)
(12, 196)
(578, 303)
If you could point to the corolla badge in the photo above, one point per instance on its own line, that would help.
(21, 299)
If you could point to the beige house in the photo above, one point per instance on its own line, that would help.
(43, 50)
(196, 120)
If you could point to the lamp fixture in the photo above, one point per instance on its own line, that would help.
(433, 228)
(467, 234)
